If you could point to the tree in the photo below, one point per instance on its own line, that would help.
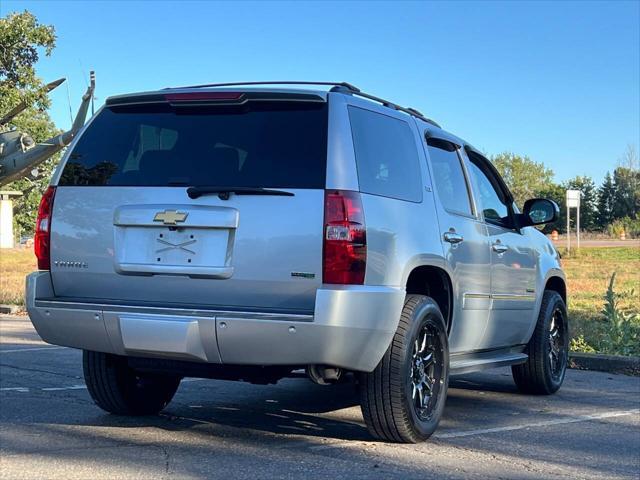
(555, 192)
(22, 39)
(606, 199)
(588, 200)
(629, 158)
(626, 201)
(524, 177)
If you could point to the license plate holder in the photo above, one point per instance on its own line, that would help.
(200, 252)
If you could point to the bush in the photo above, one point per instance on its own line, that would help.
(622, 330)
(631, 226)
(579, 344)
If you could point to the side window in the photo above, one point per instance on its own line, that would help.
(449, 177)
(490, 197)
(386, 155)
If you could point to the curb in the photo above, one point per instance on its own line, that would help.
(9, 309)
(605, 363)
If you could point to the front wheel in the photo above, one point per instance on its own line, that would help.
(117, 388)
(403, 398)
(548, 349)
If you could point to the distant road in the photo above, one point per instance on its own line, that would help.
(599, 243)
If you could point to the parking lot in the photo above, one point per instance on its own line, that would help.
(49, 427)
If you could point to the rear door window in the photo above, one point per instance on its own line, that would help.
(281, 144)
(386, 155)
(449, 177)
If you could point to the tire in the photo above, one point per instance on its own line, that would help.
(544, 371)
(389, 406)
(119, 389)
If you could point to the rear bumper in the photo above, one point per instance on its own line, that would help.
(351, 328)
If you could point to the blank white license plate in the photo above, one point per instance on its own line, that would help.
(188, 247)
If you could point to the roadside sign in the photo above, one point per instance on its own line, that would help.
(573, 198)
(573, 201)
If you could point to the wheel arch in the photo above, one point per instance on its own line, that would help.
(557, 284)
(555, 281)
(435, 282)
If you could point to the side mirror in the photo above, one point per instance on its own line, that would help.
(538, 211)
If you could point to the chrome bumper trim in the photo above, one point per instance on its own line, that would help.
(187, 312)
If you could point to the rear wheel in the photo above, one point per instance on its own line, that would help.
(548, 349)
(403, 398)
(117, 388)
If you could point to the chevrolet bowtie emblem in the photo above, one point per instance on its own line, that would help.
(170, 217)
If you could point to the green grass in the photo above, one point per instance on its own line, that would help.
(15, 264)
(588, 273)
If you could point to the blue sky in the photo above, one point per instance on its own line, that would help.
(557, 81)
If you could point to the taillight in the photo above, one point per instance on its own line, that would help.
(345, 238)
(41, 242)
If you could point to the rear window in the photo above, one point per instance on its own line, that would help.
(386, 155)
(281, 144)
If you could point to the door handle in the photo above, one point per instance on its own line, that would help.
(499, 248)
(453, 237)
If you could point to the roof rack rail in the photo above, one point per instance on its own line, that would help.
(352, 88)
(342, 87)
(411, 111)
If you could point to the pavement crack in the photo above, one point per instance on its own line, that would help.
(68, 449)
(38, 370)
(167, 460)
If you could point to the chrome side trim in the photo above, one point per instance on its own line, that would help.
(513, 297)
(487, 301)
(477, 295)
(500, 296)
(476, 301)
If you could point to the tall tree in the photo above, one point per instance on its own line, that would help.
(627, 192)
(629, 158)
(22, 39)
(588, 200)
(555, 192)
(606, 199)
(524, 177)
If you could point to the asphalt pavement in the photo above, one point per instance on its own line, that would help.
(50, 428)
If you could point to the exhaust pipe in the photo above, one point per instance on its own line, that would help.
(324, 375)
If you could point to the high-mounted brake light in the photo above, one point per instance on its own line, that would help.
(203, 96)
(41, 242)
(345, 238)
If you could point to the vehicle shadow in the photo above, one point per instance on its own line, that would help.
(288, 417)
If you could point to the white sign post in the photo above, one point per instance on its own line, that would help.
(573, 201)
(6, 218)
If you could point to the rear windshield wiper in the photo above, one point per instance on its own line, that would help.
(225, 192)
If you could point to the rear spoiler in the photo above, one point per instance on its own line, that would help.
(191, 98)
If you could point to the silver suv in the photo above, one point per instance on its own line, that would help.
(247, 231)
